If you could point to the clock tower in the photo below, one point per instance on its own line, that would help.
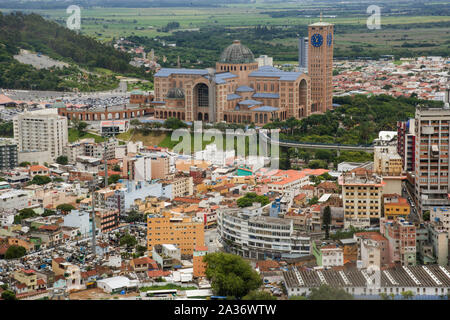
(320, 65)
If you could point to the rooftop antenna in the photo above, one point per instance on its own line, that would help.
(321, 14)
(178, 62)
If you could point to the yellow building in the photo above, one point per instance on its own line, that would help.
(167, 228)
(182, 186)
(26, 277)
(387, 161)
(361, 195)
(395, 206)
(150, 205)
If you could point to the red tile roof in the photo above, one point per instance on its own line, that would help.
(157, 273)
(371, 235)
(38, 168)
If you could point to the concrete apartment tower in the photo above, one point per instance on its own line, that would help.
(320, 65)
(432, 157)
(303, 54)
(41, 131)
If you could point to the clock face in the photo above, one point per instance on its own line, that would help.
(316, 40)
(329, 39)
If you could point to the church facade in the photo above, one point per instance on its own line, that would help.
(238, 91)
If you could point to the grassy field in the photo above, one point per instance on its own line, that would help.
(74, 135)
(106, 23)
(421, 33)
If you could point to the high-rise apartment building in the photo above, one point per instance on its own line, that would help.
(406, 144)
(361, 194)
(184, 232)
(303, 53)
(320, 65)
(8, 154)
(401, 235)
(35, 131)
(432, 157)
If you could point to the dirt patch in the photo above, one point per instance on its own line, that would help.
(98, 294)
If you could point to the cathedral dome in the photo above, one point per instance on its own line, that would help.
(175, 93)
(237, 53)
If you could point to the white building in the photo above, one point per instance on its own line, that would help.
(114, 126)
(441, 214)
(78, 219)
(14, 200)
(34, 131)
(420, 280)
(251, 235)
(6, 218)
(332, 256)
(215, 156)
(264, 60)
(117, 284)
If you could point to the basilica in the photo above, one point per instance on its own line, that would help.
(237, 90)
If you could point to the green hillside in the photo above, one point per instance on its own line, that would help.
(32, 32)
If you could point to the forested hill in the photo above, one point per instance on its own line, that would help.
(33, 32)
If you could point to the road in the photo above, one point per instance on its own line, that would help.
(413, 217)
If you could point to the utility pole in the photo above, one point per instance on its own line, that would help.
(93, 185)
(106, 161)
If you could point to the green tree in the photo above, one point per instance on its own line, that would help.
(78, 125)
(113, 178)
(134, 216)
(62, 160)
(8, 295)
(407, 295)
(65, 207)
(40, 180)
(250, 198)
(230, 275)
(140, 250)
(48, 212)
(128, 240)
(317, 164)
(384, 296)
(24, 214)
(313, 200)
(174, 123)
(135, 122)
(116, 167)
(24, 164)
(326, 221)
(326, 292)
(258, 295)
(426, 215)
(15, 252)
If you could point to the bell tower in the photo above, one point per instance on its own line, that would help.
(320, 65)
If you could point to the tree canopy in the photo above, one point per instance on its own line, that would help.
(65, 207)
(259, 295)
(250, 198)
(15, 252)
(8, 295)
(325, 292)
(24, 214)
(62, 160)
(174, 123)
(128, 240)
(231, 275)
(40, 180)
(113, 178)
